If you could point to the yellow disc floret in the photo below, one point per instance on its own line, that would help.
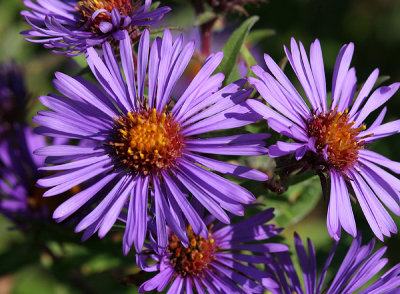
(335, 134)
(195, 258)
(147, 141)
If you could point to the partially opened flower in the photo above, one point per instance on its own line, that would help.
(76, 25)
(145, 145)
(355, 275)
(331, 137)
(223, 262)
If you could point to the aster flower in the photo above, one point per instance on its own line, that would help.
(13, 96)
(219, 263)
(332, 139)
(359, 266)
(19, 198)
(145, 145)
(77, 25)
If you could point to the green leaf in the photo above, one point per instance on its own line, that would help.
(155, 5)
(380, 80)
(34, 279)
(259, 35)
(233, 45)
(80, 60)
(204, 17)
(248, 58)
(291, 206)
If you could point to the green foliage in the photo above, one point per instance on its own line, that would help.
(204, 17)
(248, 59)
(232, 47)
(259, 35)
(293, 205)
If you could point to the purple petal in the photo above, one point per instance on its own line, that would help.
(378, 98)
(317, 65)
(128, 66)
(193, 218)
(381, 160)
(340, 71)
(229, 168)
(159, 281)
(284, 81)
(364, 92)
(75, 202)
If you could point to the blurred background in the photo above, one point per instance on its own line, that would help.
(35, 262)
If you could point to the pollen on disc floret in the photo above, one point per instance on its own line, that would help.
(146, 141)
(191, 260)
(334, 134)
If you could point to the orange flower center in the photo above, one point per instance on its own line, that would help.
(147, 141)
(86, 9)
(194, 259)
(334, 133)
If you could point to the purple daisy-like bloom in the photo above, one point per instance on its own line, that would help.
(145, 145)
(359, 266)
(76, 25)
(19, 199)
(332, 138)
(219, 263)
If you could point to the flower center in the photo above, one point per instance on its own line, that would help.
(334, 133)
(147, 141)
(86, 9)
(191, 260)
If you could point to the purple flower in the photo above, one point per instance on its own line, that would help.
(359, 266)
(13, 97)
(77, 25)
(145, 145)
(19, 198)
(331, 139)
(218, 263)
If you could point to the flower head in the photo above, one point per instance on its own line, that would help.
(217, 263)
(359, 266)
(77, 25)
(333, 139)
(145, 144)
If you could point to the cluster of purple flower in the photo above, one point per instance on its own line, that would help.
(141, 157)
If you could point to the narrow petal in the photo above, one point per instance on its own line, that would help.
(229, 168)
